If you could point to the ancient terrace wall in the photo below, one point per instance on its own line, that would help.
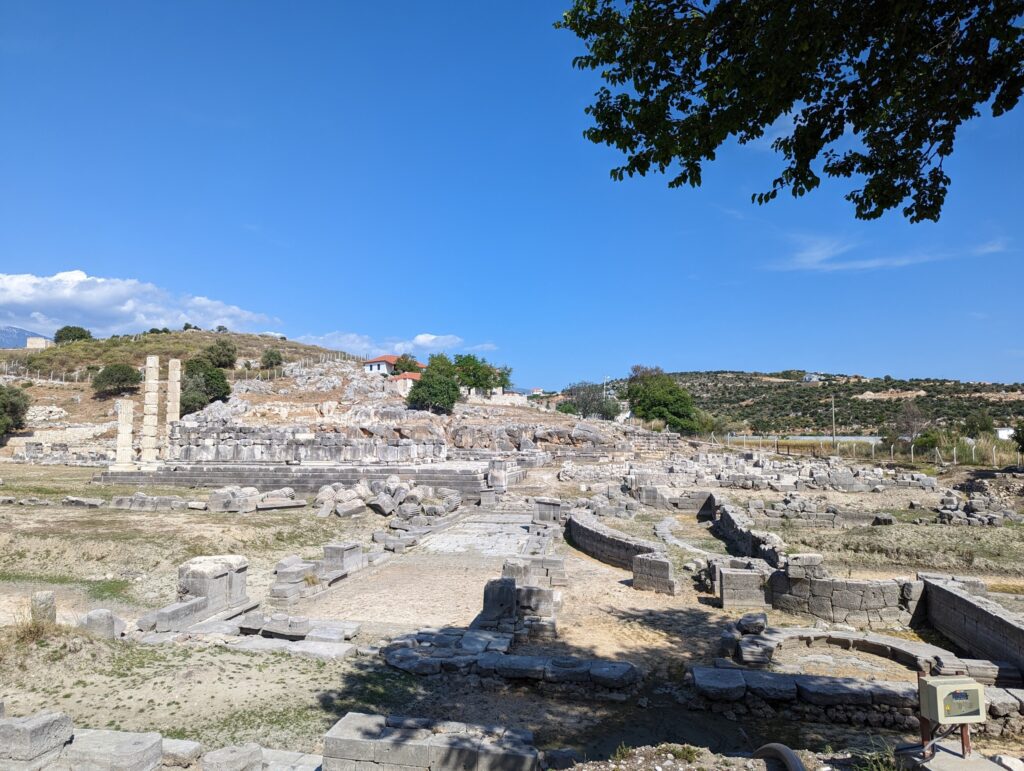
(652, 569)
(975, 623)
(194, 442)
(765, 574)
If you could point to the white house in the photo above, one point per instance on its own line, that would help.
(38, 343)
(384, 365)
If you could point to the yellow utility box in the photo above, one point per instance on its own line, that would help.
(952, 700)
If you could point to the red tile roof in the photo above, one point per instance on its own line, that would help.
(389, 359)
(406, 376)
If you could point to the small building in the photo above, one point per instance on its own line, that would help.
(812, 377)
(1005, 433)
(38, 343)
(402, 384)
(384, 365)
(537, 392)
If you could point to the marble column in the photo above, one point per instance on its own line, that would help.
(125, 458)
(173, 400)
(151, 412)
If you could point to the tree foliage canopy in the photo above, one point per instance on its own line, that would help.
(588, 400)
(438, 388)
(477, 372)
(406, 363)
(1018, 436)
(116, 379)
(13, 408)
(71, 334)
(653, 395)
(875, 90)
(222, 353)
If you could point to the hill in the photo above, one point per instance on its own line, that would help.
(783, 403)
(15, 337)
(86, 355)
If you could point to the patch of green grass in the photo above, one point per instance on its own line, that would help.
(621, 752)
(685, 752)
(103, 589)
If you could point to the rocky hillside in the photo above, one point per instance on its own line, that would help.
(87, 355)
(783, 403)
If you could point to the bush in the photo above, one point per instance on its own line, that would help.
(567, 408)
(222, 353)
(203, 383)
(116, 379)
(71, 334)
(438, 389)
(1018, 437)
(926, 441)
(271, 358)
(13, 407)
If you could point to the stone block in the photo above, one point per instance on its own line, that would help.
(181, 753)
(719, 684)
(521, 667)
(457, 752)
(44, 607)
(614, 674)
(352, 737)
(114, 751)
(248, 757)
(403, 747)
(771, 686)
(27, 738)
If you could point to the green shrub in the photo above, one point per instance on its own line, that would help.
(222, 353)
(116, 379)
(13, 408)
(438, 389)
(271, 358)
(653, 395)
(71, 335)
(203, 383)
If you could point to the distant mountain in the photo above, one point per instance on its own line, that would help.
(15, 337)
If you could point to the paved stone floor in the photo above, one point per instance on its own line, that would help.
(487, 534)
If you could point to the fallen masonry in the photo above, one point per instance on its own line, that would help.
(484, 655)
(50, 740)
(209, 588)
(297, 579)
(376, 742)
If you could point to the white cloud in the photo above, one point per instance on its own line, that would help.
(110, 306)
(482, 347)
(364, 345)
(822, 254)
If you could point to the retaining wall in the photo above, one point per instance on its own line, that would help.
(605, 544)
(975, 623)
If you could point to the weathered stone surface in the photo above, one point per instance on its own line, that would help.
(44, 607)
(771, 686)
(181, 753)
(719, 684)
(27, 738)
(248, 757)
(99, 750)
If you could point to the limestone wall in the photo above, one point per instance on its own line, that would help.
(605, 544)
(736, 528)
(975, 623)
(819, 699)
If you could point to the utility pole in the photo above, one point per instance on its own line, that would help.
(833, 420)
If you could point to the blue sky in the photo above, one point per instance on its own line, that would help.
(416, 179)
